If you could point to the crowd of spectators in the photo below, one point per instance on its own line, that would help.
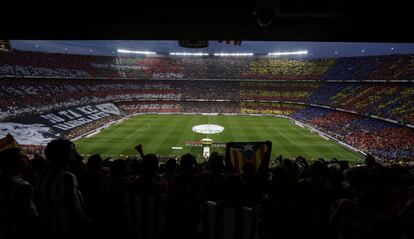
(279, 91)
(397, 67)
(211, 107)
(325, 92)
(40, 71)
(288, 69)
(354, 68)
(181, 84)
(386, 100)
(388, 141)
(66, 196)
(89, 127)
(23, 63)
(133, 107)
(188, 106)
(269, 108)
(228, 90)
(33, 96)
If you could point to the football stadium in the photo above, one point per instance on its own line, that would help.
(216, 137)
(231, 120)
(342, 108)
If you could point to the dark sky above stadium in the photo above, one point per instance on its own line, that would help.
(315, 49)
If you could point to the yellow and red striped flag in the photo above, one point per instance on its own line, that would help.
(8, 142)
(238, 153)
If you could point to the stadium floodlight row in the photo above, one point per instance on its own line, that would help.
(136, 52)
(214, 54)
(288, 53)
(188, 54)
(233, 54)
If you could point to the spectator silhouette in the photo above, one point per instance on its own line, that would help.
(91, 184)
(115, 212)
(57, 194)
(18, 214)
(145, 200)
(213, 178)
(185, 196)
(229, 218)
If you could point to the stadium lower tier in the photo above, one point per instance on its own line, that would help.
(30, 96)
(385, 140)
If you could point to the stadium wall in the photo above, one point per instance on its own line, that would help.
(98, 130)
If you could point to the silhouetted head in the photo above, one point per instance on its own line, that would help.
(171, 165)
(13, 161)
(187, 162)
(94, 162)
(216, 162)
(150, 164)
(319, 169)
(119, 168)
(61, 152)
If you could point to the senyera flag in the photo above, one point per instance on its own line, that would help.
(238, 153)
(8, 142)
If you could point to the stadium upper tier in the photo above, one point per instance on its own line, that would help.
(392, 67)
(28, 96)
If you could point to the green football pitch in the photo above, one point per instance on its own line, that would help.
(159, 133)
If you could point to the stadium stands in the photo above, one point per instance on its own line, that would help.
(385, 140)
(21, 63)
(35, 83)
(44, 96)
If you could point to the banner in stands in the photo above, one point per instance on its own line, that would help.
(40, 129)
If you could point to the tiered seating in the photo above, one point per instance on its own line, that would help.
(211, 107)
(385, 140)
(241, 85)
(151, 106)
(29, 96)
(282, 69)
(396, 67)
(280, 91)
(392, 101)
(269, 108)
(354, 68)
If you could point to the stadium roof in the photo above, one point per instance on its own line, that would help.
(171, 48)
(293, 20)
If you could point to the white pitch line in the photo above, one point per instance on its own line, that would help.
(283, 135)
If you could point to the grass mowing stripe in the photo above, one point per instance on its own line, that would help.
(177, 129)
(127, 143)
(288, 144)
(332, 150)
(159, 132)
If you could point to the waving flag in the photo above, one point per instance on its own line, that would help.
(238, 153)
(8, 142)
